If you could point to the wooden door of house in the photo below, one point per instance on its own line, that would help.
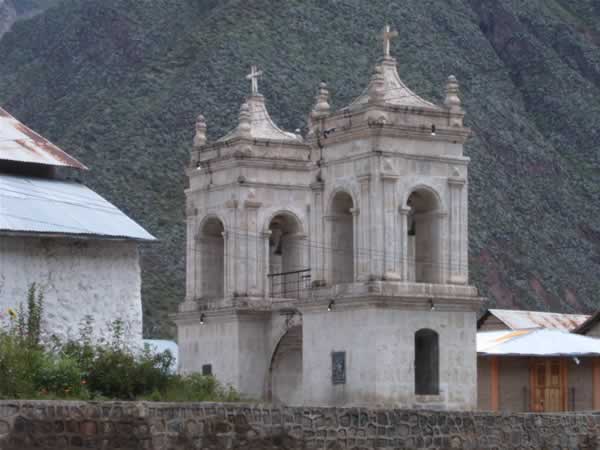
(548, 385)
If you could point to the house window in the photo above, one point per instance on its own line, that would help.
(427, 371)
(207, 370)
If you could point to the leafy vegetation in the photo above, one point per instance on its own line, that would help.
(118, 83)
(34, 368)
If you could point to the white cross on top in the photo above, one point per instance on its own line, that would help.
(253, 77)
(387, 37)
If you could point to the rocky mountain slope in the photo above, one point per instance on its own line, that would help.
(118, 84)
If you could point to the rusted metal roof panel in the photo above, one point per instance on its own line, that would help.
(517, 320)
(535, 342)
(586, 326)
(20, 143)
(39, 206)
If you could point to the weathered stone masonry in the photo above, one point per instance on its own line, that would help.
(116, 425)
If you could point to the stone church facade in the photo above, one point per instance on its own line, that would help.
(331, 269)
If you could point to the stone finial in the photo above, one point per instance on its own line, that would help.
(245, 125)
(377, 86)
(200, 136)
(452, 100)
(322, 106)
(453, 103)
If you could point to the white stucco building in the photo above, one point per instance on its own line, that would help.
(79, 249)
(331, 269)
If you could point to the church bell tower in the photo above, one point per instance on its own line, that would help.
(331, 269)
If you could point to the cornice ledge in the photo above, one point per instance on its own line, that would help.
(405, 303)
(456, 181)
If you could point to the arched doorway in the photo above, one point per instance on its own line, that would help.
(424, 262)
(285, 373)
(427, 363)
(342, 239)
(285, 256)
(211, 257)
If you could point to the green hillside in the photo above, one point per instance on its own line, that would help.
(118, 84)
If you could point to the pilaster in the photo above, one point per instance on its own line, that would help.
(191, 260)
(365, 248)
(264, 263)
(317, 224)
(390, 228)
(403, 242)
(252, 249)
(377, 228)
(328, 249)
(457, 234)
(355, 240)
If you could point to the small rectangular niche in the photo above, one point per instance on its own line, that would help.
(207, 370)
(338, 368)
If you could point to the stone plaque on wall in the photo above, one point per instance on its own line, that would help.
(338, 367)
(207, 369)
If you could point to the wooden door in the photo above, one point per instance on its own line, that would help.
(548, 385)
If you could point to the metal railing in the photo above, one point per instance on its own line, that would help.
(289, 284)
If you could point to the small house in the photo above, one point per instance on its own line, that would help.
(532, 361)
(79, 249)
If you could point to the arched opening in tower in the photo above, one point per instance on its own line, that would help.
(285, 256)
(423, 253)
(211, 257)
(285, 373)
(427, 363)
(342, 239)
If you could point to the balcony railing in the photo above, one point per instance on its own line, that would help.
(289, 284)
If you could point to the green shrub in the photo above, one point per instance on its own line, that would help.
(18, 366)
(60, 377)
(82, 369)
(194, 388)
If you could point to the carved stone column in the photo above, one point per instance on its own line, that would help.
(390, 228)
(328, 247)
(457, 233)
(403, 243)
(233, 262)
(191, 260)
(377, 228)
(317, 231)
(264, 263)
(356, 241)
(252, 250)
(365, 247)
(228, 288)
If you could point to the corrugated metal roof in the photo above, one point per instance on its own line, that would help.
(517, 320)
(536, 342)
(46, 206)
(20, 143)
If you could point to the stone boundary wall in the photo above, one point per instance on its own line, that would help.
(63, 425)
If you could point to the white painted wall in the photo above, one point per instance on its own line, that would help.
(234, 345)
(100, 278)
(379, 346)
(216, 343)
